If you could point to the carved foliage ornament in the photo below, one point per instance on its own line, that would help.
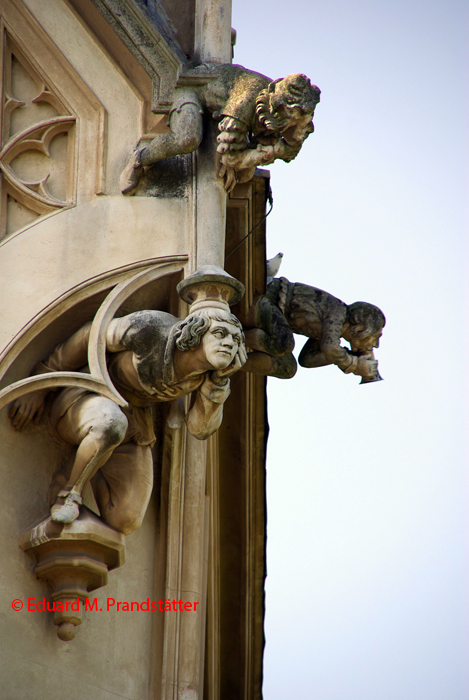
(37, 143)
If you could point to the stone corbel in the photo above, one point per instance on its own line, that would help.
(210, 287)
(74, 559)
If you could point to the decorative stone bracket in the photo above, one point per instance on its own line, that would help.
(74, 559)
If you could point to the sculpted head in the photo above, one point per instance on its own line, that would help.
(214, 336)
(365, 323)
(287, 107)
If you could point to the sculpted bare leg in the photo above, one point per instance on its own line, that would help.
(185, 137)
(283, 367)
(270, 336)
(97, 426)
(123, 486)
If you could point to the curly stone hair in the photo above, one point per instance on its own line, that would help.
(361, 313)
(189, 332)
(293, 91)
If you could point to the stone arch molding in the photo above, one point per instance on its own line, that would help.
(98, 380)
(52, 140)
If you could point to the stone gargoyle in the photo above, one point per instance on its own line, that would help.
(151, 356)
(289, 307)
(259, 120)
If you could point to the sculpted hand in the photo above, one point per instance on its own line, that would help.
(367, 367)
(240, 166)
(27, 408)
(230, 164)
(284, 151)
(229, 175)
(220, 376)
(232, 136)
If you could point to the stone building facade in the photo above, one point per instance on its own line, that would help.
(84, 81)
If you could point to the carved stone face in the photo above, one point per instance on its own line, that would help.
(299, 125)
(367, 344)
(220, 344)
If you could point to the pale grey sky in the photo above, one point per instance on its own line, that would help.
(367, 583)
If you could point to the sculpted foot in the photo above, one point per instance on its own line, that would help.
(131, 174)
(67, 507)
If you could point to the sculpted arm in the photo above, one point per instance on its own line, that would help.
(73, 353)
(361, 361)
(115, 341)
(240, 165)
(261, 155)
(69, 356)
(206, 414)
(330, 345)
(237, 162)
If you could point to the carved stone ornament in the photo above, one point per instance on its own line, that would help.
(259, 121)
(37, 147)
(74, 559)
(133, 361)
(289, 307)
(210, 288)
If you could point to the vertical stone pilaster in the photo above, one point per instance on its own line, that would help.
(186, 578)
(212, 45)
(211, 201)
(213, 31)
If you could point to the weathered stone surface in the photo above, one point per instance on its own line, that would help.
(60, 268)
(142, 32)
(74, 559)
(167, 178)
(151, 356)
(259, 120)
(290, 307)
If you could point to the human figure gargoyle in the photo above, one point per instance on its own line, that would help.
(287, 308)
(153, 356)
(260, 120)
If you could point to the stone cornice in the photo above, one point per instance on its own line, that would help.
(148, 41)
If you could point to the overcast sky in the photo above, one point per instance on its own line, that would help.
(367, 583)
